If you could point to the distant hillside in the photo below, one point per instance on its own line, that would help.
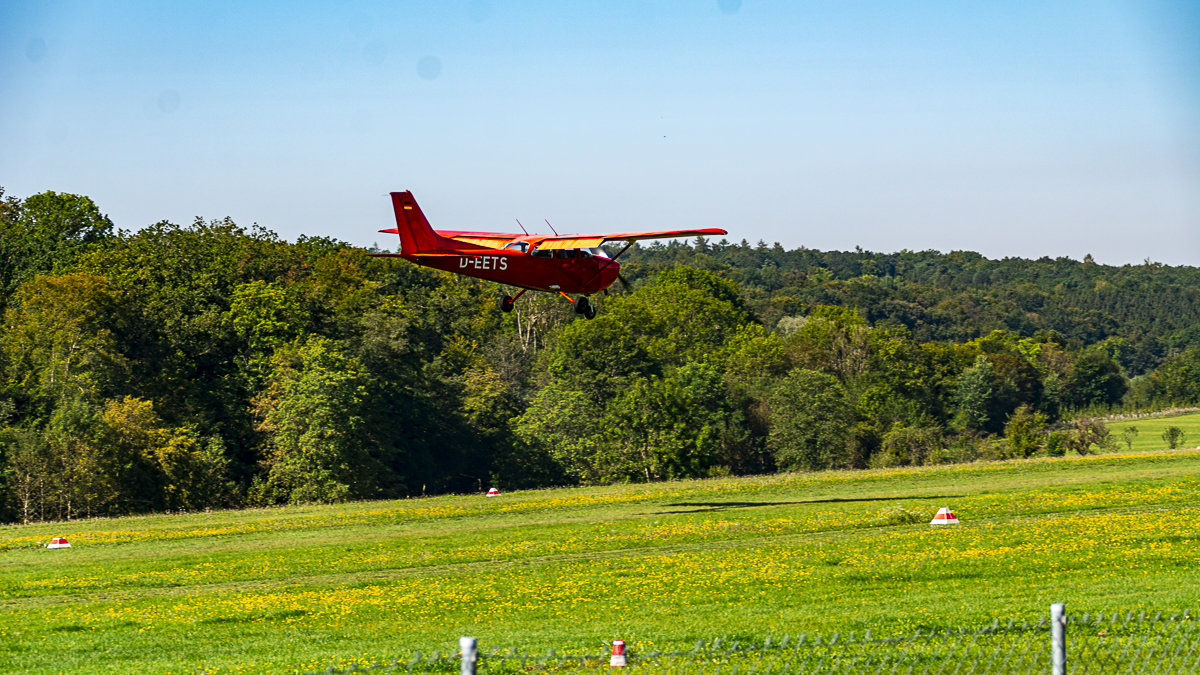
(1151, 309)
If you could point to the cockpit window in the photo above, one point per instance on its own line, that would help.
(563, 253)
(521, 246)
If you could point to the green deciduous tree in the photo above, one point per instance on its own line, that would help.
(1017, 383)
(311, 417)
(640, 392)
(46, 231)
(753, 358)
(27, 468)
(59, 338)
(810, 422)
(564, 423)
(1024, 430)
(1178, 378)
(909, 446)
(682, 426)
(1128, 434)
(835, 340)
(265, 317)
(1085, 433)
(1173, 436)
(1095, 379)
(684, 316)
(164, 467)
(600, 358)
(185, 353)
(83, 475)
(973, 394)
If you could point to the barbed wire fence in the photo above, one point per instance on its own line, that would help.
(1101, 644)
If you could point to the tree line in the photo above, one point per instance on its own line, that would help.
(211, 365)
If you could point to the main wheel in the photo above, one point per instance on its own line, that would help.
(506, 304)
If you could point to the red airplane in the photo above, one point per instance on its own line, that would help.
(563, 264)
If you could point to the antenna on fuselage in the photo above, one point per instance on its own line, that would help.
(551, 227)
(522, 226)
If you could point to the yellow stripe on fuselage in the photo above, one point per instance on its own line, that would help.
(490, 243)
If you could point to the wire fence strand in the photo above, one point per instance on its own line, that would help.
(1103, 645)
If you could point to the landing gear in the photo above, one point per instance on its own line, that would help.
(585, 307)
(582, 305)
(506, 303)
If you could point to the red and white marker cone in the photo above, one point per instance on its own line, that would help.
(59, 542)
(617, 660)
(493, 492)
(944, 517)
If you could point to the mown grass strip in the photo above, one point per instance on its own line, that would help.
(660, 566)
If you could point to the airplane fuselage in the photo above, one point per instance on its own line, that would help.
(565, 270)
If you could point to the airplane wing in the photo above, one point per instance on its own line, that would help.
(500, 239)
(594, 240)
(488, 239)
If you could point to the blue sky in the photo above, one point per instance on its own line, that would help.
(1014, 129)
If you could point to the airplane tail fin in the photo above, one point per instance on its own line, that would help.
(416, 234)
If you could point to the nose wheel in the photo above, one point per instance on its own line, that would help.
(585, 307)
(582, 305)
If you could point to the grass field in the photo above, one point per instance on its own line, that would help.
(1149, 431)
(660, 566)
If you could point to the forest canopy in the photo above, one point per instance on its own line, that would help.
(211, 365)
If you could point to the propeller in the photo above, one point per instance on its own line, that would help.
(625, 285)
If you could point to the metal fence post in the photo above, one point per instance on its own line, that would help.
(1058, 639)
(470, 655)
